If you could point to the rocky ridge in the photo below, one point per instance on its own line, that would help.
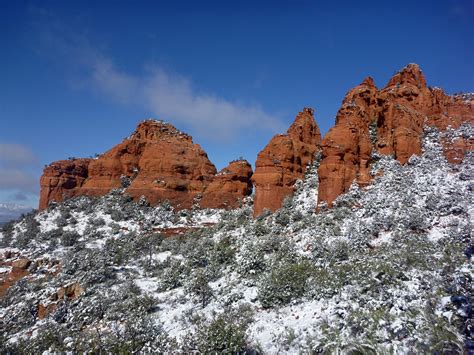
(158, 162)
(389, 121)
(161, 163)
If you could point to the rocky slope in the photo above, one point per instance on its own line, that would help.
(388, 269)
(158, 162)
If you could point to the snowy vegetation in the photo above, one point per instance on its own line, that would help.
(387, 270)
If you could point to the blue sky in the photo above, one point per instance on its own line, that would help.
(77, 77)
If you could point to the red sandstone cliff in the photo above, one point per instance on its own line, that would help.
(390, 121)
(161, 163)
(283, 161)
(61, 180)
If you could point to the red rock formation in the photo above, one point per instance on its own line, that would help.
(391, 121)
(161, 163)
(17, 267)
(16, 271)
(234, 180)
(450, 110)
(346, 148)
(283, 161)
(61, 179)
(455, 149)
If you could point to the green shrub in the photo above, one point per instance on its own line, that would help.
(373, 131)
(174, 276)
(282, 217)
(284, 284)
(260, 229)
(138, 334)
(221, 335)
(223, 252)
(200, 288)
(117, 215)
(7, 231)
(252, 261)
(69, 238)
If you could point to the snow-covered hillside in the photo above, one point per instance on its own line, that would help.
(387, 270)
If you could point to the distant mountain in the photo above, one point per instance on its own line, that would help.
(10, 211)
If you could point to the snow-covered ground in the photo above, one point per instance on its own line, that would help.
(387, 270)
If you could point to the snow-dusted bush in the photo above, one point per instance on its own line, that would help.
(223, 252)
(220, 335)
(69, 238)
(285, 283)
(90, 265)
(199, 287)
(252, 260)
(26, 233)
(173, 276)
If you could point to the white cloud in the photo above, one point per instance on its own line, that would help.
(16, 180)
(166, 95)
(119, 86)
(173, 97)
(12, 154)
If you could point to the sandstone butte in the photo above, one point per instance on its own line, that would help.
(158, 162)
(163, 163)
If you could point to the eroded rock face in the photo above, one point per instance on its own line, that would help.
(284, 160)
(159, 161)
(347, 147)
(69, 292)
(14, 266)
(61, 180)
(234, 180)
(456, 149)
(389, 120)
